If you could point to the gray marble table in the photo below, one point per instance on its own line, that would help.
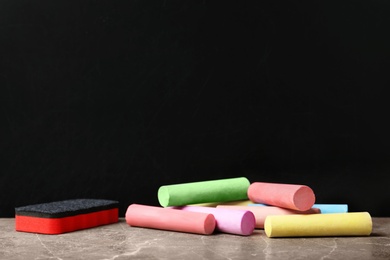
(120, 241)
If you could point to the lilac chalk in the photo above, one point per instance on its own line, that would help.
(239, 222)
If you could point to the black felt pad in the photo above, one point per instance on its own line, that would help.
(65, 208)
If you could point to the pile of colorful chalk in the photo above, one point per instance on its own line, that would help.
(233, 206)
(236, 206)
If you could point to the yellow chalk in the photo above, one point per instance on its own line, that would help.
(332, 224)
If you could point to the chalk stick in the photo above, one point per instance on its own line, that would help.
(170, 219)
(238, 222)
(215, 204)
(325, 208)
(332, 208)
(262, 212)
(65, 216)
(333, 224)
(291, 196)
(203, 192)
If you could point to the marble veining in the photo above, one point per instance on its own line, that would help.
(120, 241)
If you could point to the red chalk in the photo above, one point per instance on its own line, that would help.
(170, 219)
(291, 196)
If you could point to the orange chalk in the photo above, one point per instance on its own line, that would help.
(290, 196)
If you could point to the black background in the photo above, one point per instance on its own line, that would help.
(112, 99)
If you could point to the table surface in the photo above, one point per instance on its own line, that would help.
(120, 241)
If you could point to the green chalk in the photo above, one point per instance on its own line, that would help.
(203, 192)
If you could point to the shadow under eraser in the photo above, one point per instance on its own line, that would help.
(65, 216)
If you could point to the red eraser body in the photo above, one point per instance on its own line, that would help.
(291, 196)
(170, 219)
(65, 216)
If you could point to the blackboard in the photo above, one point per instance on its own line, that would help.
(112, 99)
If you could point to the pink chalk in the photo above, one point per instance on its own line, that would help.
(290, 196)
(170, 219)
(239, 222)
(262, 212)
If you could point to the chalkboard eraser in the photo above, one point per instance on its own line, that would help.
(65, 216)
